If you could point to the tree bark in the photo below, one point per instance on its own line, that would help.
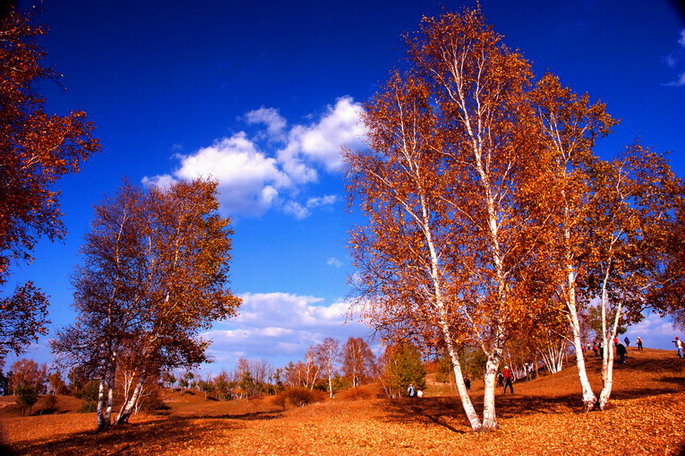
(489, 412)
(129, 406)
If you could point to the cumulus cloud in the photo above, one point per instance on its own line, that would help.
(249, 181)
(280, 326)
(319, 201)
(321, 142)
(275, 124)
(681, 40)
(253, 179)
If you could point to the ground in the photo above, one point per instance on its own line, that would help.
(645, 417)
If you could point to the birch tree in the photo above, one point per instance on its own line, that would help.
(327, 355)
(109, 295)
(358, 361)
(155, 274)
(637, 197)
(449, 196)
(569, 127)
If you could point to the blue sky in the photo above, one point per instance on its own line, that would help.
(262, 94)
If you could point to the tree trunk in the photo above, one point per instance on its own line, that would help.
(103, 423)
(129, 406)
(489, 385)
(609, 353)
(466, 403)
(589, 398)
(106, 395)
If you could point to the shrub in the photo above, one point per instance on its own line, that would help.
(298, 397)
(49, 405)
(88, 406)
(280, 399)
(356, 394)
(26, 397)
(89, 394)
(152, 403)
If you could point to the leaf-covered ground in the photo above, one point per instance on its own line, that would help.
(646, 417)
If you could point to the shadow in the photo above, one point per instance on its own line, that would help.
(448, 412)
(164, 435)
(680, 452)
(254, 416)
(673, 380)
(445, 412)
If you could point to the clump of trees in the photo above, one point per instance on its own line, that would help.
(401, 366)
(490, 218)
(351, 365)
(327, 366)
(154, 276)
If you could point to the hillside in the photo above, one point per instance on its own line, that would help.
(645, 417)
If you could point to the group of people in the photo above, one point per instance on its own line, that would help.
(506, 377)
(412, 391)
(621, 349)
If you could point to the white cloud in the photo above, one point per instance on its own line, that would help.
(678, 82)
(161, 181)
(280, 327)
(319, 201)
(296, 210)
(322, 142)
(333, 261)
(275, 123)
(253, 180)
(300, 212)
(249, 181)
(672, 61)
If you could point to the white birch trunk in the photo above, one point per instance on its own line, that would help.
(589, 398)
(489, 386)
(609, 352)
(553, 357)
(466, 403)
(128, 406)
(103, 424)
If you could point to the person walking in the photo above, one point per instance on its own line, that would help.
(411, 391)
(621, 352)
(627, 341)
(508, 377)
(639, 343)
(679, 346)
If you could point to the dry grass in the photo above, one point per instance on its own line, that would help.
(645, 418)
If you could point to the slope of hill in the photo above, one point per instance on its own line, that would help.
(645, 417)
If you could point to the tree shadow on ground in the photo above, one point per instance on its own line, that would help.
(441, 411)
(449, 413)
(253, 416)
(159, 435)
